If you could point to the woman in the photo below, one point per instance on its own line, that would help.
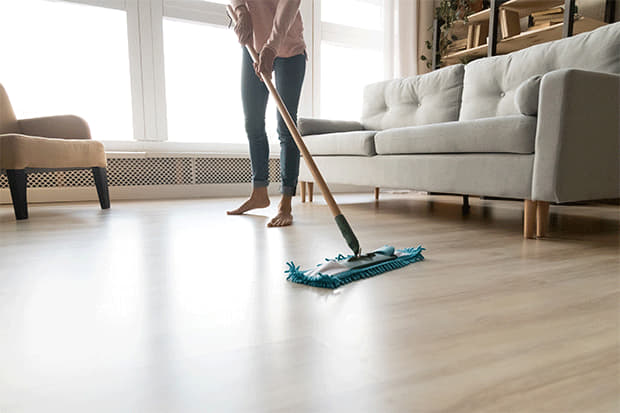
(275, 29)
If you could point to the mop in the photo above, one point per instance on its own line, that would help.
(342, 269)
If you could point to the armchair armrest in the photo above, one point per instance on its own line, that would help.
(314, 126)
(577, 140)
(64, 127)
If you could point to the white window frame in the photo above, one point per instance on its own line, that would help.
(145, 45)
(147, 70)
(215, 14)
(109, 4)
(146, 64)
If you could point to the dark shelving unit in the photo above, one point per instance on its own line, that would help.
(494, 46)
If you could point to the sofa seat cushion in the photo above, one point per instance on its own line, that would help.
(357, 143)
(508, 134)
(21, 151)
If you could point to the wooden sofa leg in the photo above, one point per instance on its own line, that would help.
(542, 218)
(17, 184)
(377, 190)
(529, 218)
(302, 189)
(101, 182)
(310, 191)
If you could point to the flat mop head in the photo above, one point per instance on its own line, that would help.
(342, 270)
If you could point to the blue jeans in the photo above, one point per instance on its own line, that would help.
(289, 77)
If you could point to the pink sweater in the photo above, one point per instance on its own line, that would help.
(277, 24)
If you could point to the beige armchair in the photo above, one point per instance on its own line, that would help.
(47, 144)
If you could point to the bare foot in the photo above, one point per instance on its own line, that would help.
(258, 199)
(284, 217)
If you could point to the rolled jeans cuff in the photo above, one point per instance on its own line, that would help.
(288, 190)
(260, 184)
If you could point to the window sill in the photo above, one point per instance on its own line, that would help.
(180, 148)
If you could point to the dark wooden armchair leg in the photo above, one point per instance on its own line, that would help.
(17, 183)
(101, 181)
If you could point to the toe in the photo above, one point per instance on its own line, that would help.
(280, 221)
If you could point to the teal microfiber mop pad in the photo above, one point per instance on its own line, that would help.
(342, 270)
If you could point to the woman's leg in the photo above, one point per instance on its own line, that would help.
(289, 76)
(254, 95)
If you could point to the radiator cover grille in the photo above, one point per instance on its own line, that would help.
(156, 171)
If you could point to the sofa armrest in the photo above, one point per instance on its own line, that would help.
(64, 127)
(577, 138)
(314, 126)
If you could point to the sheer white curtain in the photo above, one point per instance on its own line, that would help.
(412, 22)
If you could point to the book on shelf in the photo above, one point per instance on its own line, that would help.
(554, 10)
(457, 45)
(547, 23)
(510, 23)
(548, 17)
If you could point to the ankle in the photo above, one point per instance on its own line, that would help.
(259, 193)
(286, 203)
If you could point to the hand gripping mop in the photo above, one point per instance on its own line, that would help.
(343, 269)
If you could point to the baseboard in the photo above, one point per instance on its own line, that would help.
(154, 192)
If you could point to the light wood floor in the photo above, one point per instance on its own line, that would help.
(173, 306)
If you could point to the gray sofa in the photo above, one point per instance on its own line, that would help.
(541, 124)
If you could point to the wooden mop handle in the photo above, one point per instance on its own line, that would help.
(331, 202)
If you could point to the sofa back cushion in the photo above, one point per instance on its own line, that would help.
(8, 123)
(527, 96)
(420, 100)
(490, 84)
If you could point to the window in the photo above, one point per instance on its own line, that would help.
(342, 81)
(162, 70)
(366, 14)
(67, 58)
(351, 55)
(203, 65)
(203, 74)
